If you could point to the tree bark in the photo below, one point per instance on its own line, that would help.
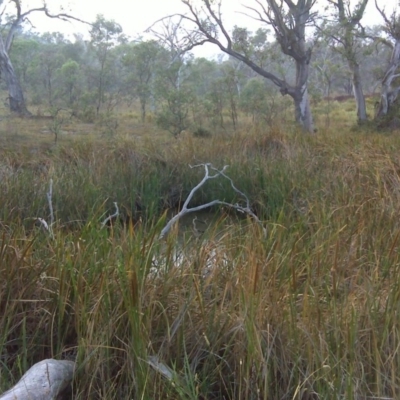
(15, 94)
(358, 92)
(301, 97)
(43, 381)
(389, 94)
(303, 111)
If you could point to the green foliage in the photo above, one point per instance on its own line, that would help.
(105, 35)
(85, 108)
(175, 96)
(254, 99)
(24, 50)
(141, 61)
(70, 72)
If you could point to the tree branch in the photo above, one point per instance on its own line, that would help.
(21, 16)
(185, 210)
(45, 380)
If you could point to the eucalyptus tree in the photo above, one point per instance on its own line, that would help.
(172, 87)
(105, 35)
(256, 101)
(289, 20)
(70, 76)
(327, 69)
(377, 50)
(390, 87)
(142, 59)
(345, 31)
(231, 84)
(202, 75)
(45, 66)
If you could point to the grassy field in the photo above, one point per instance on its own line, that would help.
(309, 310)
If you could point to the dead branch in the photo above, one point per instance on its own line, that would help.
(22, 16)
(110, 217)
(43, 381)
(185, 210)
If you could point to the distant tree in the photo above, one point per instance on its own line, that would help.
(142, 61)
(328, 68)
(70, 76)
(203, 73)
(376, 51)
(47, 62)
(390, 86)
(172, 89)
(231, 81)
(346, 34)
(254, 100)
(105, 35)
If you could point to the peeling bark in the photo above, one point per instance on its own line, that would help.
(45, 380)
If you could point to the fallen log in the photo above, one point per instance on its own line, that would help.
(45, 380)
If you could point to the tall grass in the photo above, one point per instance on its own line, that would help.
(308, 311)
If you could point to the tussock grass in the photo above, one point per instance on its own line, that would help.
(309, 311)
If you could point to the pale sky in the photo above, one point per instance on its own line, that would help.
(136, 15)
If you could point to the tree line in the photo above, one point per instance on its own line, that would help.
(307, 55)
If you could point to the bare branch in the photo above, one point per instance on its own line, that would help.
(185, 210)
(383, 14)
(112, 216)
(45, 380)
(21, 16)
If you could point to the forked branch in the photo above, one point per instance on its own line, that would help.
(207, 176)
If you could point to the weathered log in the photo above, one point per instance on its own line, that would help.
(43, 381)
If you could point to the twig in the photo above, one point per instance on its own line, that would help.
(185, 210)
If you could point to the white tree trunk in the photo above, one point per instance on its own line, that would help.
(358, 93)
(15, 94)
(303, 111)
(43, 381)
(301, 97)
(389, 94)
